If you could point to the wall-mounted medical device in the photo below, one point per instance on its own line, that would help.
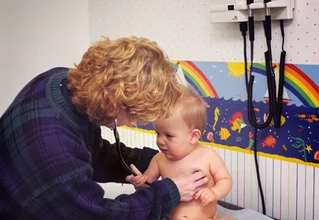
(246, 12)
(238, 10)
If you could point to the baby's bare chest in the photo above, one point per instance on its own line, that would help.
(185, 166)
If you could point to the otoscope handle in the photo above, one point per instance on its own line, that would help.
(267, 24)
(251, 27)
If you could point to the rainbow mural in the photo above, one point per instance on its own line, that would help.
(197, 78)
(227, 117)
(297, 82)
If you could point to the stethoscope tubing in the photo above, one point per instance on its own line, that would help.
(119, 150)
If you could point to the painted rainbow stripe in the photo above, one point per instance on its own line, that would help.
(296, 82)
(197, 78)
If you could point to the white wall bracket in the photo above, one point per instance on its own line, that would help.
(238, 10)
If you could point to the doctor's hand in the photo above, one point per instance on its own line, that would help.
(189, 184)
(138, 180)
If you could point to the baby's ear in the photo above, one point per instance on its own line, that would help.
(195, 136)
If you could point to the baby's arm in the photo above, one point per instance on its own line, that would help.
(222, 178)
(150, 175)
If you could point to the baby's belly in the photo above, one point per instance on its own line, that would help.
(193, 210)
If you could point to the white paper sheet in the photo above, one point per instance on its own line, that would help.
(243, 214)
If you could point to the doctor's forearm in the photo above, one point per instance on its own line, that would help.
(107, 163)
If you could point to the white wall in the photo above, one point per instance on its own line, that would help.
(37, 35)
(182, 28)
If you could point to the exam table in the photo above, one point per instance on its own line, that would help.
(225, 209)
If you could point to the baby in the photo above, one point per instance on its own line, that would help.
(180, 153)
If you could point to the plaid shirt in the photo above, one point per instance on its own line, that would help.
(48, 165)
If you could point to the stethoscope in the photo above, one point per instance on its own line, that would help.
(119, 150)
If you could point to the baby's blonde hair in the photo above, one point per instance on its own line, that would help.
(193, 109)
(130, 74)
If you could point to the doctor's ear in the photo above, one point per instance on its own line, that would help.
(195, 136)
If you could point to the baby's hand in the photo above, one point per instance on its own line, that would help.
(206, 196)
(138, 180)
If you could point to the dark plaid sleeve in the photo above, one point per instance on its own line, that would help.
(107, 163)
(53, 180)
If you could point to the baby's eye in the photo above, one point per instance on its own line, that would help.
(169, 136)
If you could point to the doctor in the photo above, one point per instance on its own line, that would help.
(51, 151)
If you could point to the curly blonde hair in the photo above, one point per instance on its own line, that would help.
(130, 74)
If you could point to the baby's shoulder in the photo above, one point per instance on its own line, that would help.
(207, 150)
(159, 157)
